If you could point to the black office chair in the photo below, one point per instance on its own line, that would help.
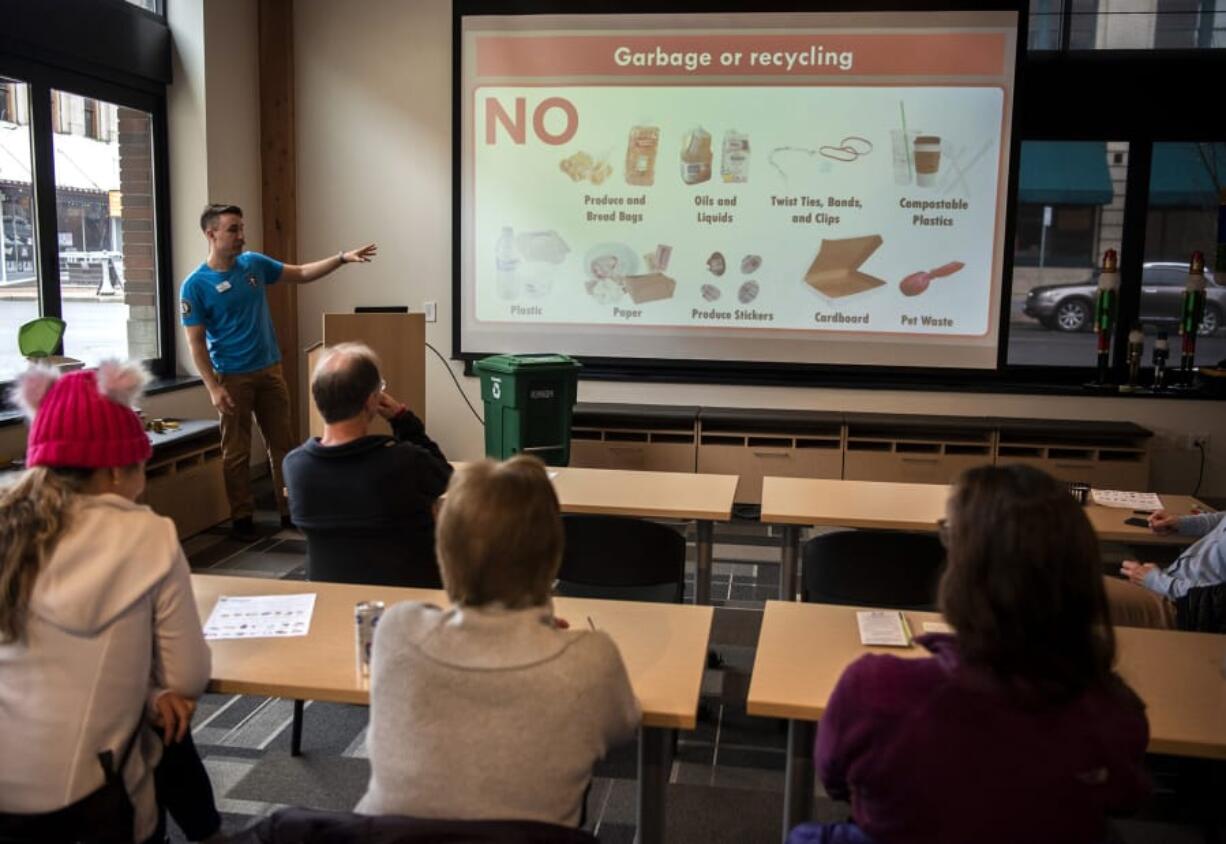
(383, 557)
(622, 559)
(873, 568)
(380, 557)
(1202, 610)
(311, 825)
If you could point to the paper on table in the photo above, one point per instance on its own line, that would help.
(1125, 500)
(260, 616)
(552, 475)
(883, 627)
(937, 627)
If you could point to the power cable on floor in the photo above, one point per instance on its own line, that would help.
(463, 395)
(1200, 476)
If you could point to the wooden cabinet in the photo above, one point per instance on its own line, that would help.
(1108, 455)
(914, 449)
(856, 446)
(183, 478)
(783, 443)
(613, 436)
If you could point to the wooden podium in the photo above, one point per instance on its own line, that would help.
(400, 342)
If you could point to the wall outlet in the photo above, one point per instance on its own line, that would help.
(431, 311)
(1197, 440)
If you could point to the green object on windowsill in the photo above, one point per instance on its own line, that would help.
(40, 337)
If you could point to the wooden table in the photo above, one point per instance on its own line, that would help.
(664, 647)
(801, 502)
(705, 499)
(803, 649)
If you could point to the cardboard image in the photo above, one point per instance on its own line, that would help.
(649, 287)
(835, 272)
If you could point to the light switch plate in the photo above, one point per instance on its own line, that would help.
(431, 311)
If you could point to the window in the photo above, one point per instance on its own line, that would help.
(154, 6)
(19, 289)
(105, 236)
(1155, 24)
(1186, 208)
(1070, 210)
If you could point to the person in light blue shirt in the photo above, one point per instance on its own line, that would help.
(230, 333)
(1147, 598)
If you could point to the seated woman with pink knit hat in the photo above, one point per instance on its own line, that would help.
(99, 636)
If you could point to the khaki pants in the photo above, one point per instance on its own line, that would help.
(1135, 606)
(265, 394)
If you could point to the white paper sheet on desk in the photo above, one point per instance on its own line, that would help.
(260, 616)
(883, 627)
(1124, 500)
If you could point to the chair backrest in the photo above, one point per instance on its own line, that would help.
(317, 827)
(387, 558)
(873, 568)
(1203, 609)
(622, 558)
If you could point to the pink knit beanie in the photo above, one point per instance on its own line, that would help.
(84, 419)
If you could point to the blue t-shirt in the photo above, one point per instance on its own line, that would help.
(233, 309)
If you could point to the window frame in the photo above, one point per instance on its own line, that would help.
(42, 80)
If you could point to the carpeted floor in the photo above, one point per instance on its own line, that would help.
(727, 777)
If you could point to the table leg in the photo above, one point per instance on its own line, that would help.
(704, 547)
(655, 765)
(790, 563)
(295, 735)
(798, 776)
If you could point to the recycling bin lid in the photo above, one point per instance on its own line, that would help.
(511, 364)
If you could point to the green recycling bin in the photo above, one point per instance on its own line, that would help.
(528, 404)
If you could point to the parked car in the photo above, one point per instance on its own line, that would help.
(1070, 307)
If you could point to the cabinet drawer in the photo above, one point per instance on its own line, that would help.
(1113, 475)
(908, 468)
(588, 454)
(193, 497)
(645, 456)
(754, 462)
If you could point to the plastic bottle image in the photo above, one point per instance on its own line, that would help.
(734, 165)
(505, 263)
(696, 157)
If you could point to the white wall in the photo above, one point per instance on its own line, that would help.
(373, 122)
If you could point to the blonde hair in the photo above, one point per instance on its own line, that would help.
(33, 517)
(500, 534)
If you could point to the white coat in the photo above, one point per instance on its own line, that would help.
(111, 620)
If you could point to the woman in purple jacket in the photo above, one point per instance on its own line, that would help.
(1016, 728)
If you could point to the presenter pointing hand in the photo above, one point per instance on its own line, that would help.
(230, 333)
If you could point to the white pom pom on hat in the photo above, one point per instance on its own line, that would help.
(122, 381)
(31, 388)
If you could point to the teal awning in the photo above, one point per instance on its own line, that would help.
(1064, 173)
(1183, 175)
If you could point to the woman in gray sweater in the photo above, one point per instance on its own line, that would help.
(492, 709)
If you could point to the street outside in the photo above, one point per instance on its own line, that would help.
(1030, 344)
(97, 327)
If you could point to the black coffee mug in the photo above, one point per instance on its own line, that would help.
(1080, 492)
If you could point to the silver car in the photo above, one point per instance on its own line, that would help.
(1070, 307)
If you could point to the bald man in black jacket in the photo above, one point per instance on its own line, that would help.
(365, 501)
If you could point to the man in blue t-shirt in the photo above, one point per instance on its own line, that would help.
(230, 332)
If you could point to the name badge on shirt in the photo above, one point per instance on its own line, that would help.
(223, 287)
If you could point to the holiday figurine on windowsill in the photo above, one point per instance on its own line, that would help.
(1161, 352)
(1136, 346)
(1105, 306)
(1191, 314)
